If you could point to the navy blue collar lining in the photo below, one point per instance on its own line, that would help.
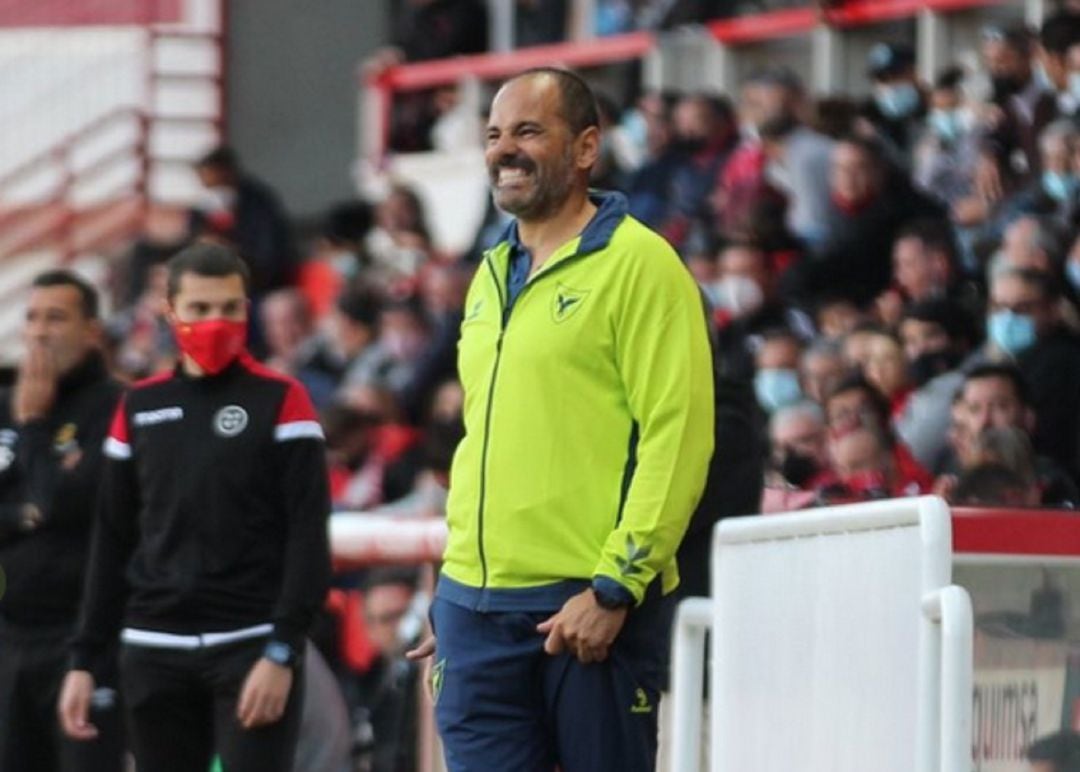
(611, 209)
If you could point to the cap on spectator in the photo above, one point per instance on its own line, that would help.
(888, 59)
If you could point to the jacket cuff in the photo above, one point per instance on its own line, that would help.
(612, 591)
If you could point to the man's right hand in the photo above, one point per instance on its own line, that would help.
(74, 705)
(424, 652)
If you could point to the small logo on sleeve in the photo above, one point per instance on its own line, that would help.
(230, 421)
(566, 301)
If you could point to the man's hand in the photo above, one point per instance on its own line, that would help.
(264, 694)
(988, 183)
(35, 389)
(423, 653)
(583, 627)
(73, 707)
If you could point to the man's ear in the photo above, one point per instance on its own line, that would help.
(1029, 420)
(588, 148)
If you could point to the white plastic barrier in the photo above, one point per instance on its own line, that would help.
(838, 645)
(362, 539)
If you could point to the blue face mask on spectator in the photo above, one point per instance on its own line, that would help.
(898, 101)
(1011, 332)
(946, 124)
(1074, 84)
(1058, 186)
(1072, 273)
(776, 388)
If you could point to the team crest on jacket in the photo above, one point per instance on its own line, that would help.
(230, 420)
(566, 301)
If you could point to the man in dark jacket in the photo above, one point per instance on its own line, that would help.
(52, 425)
(210, 553)
(247, 214)
(871, 201)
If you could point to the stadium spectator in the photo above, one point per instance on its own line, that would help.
(821, 368)
(210, 547)
(139, 342)
(399, 244)
(864, 468)
(1056, 192)
(776, 370)
(339, 259)
(886, 368)
(384, 699)
(948, 152)
(247, 214)
(798, 455)
(993, 485)
(855, 403)
(53, 424)
(1025, 325)
(747, 304)
(1058, 34)
(924, 262)
(869, 205)
(797, 165)
(490, 667)
(704, 136)
(1057, 752)
(350, 334)
(764, 96)
(647, 187)
(898, 106)
(292, 344)
(1015, 110)
(936, 336)
(998, 397)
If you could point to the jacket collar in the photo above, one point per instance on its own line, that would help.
(611, 208)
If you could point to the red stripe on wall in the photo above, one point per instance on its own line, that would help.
(65, 13)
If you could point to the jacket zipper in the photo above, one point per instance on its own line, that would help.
(487, 428)
(506, 309)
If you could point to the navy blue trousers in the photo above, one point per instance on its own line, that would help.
(503, 705)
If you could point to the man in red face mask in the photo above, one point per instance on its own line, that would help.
(210, 553)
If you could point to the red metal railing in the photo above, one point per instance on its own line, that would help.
(853, 13)
(740, 30)
(52, 219)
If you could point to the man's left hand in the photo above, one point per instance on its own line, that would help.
(583, 627)
(265, 692)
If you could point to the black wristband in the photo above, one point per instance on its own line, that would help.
(609, 602)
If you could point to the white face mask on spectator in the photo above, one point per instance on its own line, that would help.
(897, 100)
(737, 295)
(219, 198)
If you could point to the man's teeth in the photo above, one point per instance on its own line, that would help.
(511, 175)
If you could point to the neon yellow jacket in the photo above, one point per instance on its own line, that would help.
(588, 420)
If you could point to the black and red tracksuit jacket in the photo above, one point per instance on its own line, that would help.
(213, 510)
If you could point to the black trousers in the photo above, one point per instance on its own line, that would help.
(33, 663)
(181, 707)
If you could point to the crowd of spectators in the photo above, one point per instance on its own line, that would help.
(897, 276)
(897, 279)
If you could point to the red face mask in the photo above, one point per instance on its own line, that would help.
(213, 343)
